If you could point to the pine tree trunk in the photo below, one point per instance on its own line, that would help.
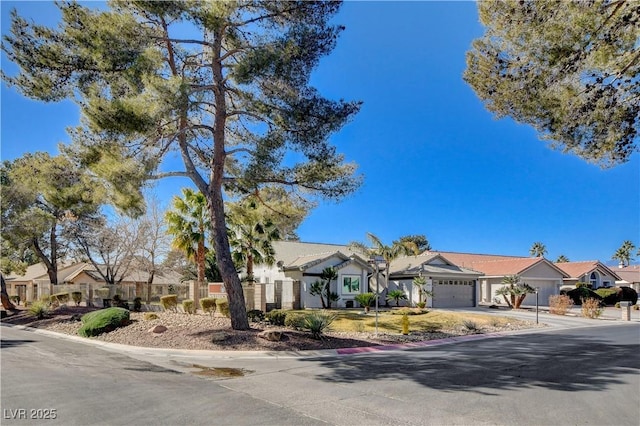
(6, 302)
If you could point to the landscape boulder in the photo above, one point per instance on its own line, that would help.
(271, 335)
(158, 329)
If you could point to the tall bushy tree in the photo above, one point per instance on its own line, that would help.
(41, 195)
(568, 68)
(232, 98)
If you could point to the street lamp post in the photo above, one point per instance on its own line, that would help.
(537, 289)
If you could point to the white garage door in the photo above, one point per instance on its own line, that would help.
(454, 293)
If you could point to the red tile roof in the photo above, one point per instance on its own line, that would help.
(579, 269)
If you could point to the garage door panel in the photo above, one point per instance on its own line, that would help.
(453, 295)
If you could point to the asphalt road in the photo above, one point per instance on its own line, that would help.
(587, 375)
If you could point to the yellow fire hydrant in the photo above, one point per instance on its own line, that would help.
(405, 324)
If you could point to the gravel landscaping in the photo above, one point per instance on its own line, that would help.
(204, 332)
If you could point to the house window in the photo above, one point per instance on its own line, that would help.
(350, 284)
(593, 280)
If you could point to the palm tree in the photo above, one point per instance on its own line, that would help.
(387, 253)
(623, 254)
(396, 295)
(251, 243)
(322, 287)
(421, 282)
(538, 249)
(562, 259)
(516, 290)
(189, 224)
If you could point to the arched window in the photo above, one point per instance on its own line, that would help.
(593, 280)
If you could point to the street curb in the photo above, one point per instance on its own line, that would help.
(187, 353)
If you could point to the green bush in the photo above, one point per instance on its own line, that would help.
(223, 307)
(255, 315)
(137, 304)
(629, 295)
(188, 306)
(294, 320)
(276, 317)
(610, 296)
(170, 302)
(39, 309)
(76, 296)
(208, 305)
(150, 316)
(421, 305)
(617, 305)
(579, 293)
(317, 323)
(103, 321)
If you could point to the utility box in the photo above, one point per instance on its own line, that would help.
(626, 310)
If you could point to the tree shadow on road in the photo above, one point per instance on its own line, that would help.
(10, 343)
(566, 363)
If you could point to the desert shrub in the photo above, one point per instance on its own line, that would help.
(409, 311)
(610, 296)
(170, 302)
(137, 304)
(39, 309)
(366, 300)
(582, 285)
(629, 295)
(255, 315)
(591, 308)
(103, 292)
(358, 327)
(15, 299)
(150, 316)
(223, 307)
(617, 305)
(559, 304)
(61, 298)
(276, 317)
(421, 305)
(317, 323)
(119, 303)
(294, 320)
(208, 305)
(188, 306)
(577, 294)
(76, 296)
(103, 321)
(470, 325)
(495, 322)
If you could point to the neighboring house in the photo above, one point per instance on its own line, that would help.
(592, 272)
(538, 272)
(629, 276)
(35, 280)
(452, 285)
(84, 277)
(299, 265)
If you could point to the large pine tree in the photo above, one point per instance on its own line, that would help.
(224, 85)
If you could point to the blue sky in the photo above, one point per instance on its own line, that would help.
(435, 161)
